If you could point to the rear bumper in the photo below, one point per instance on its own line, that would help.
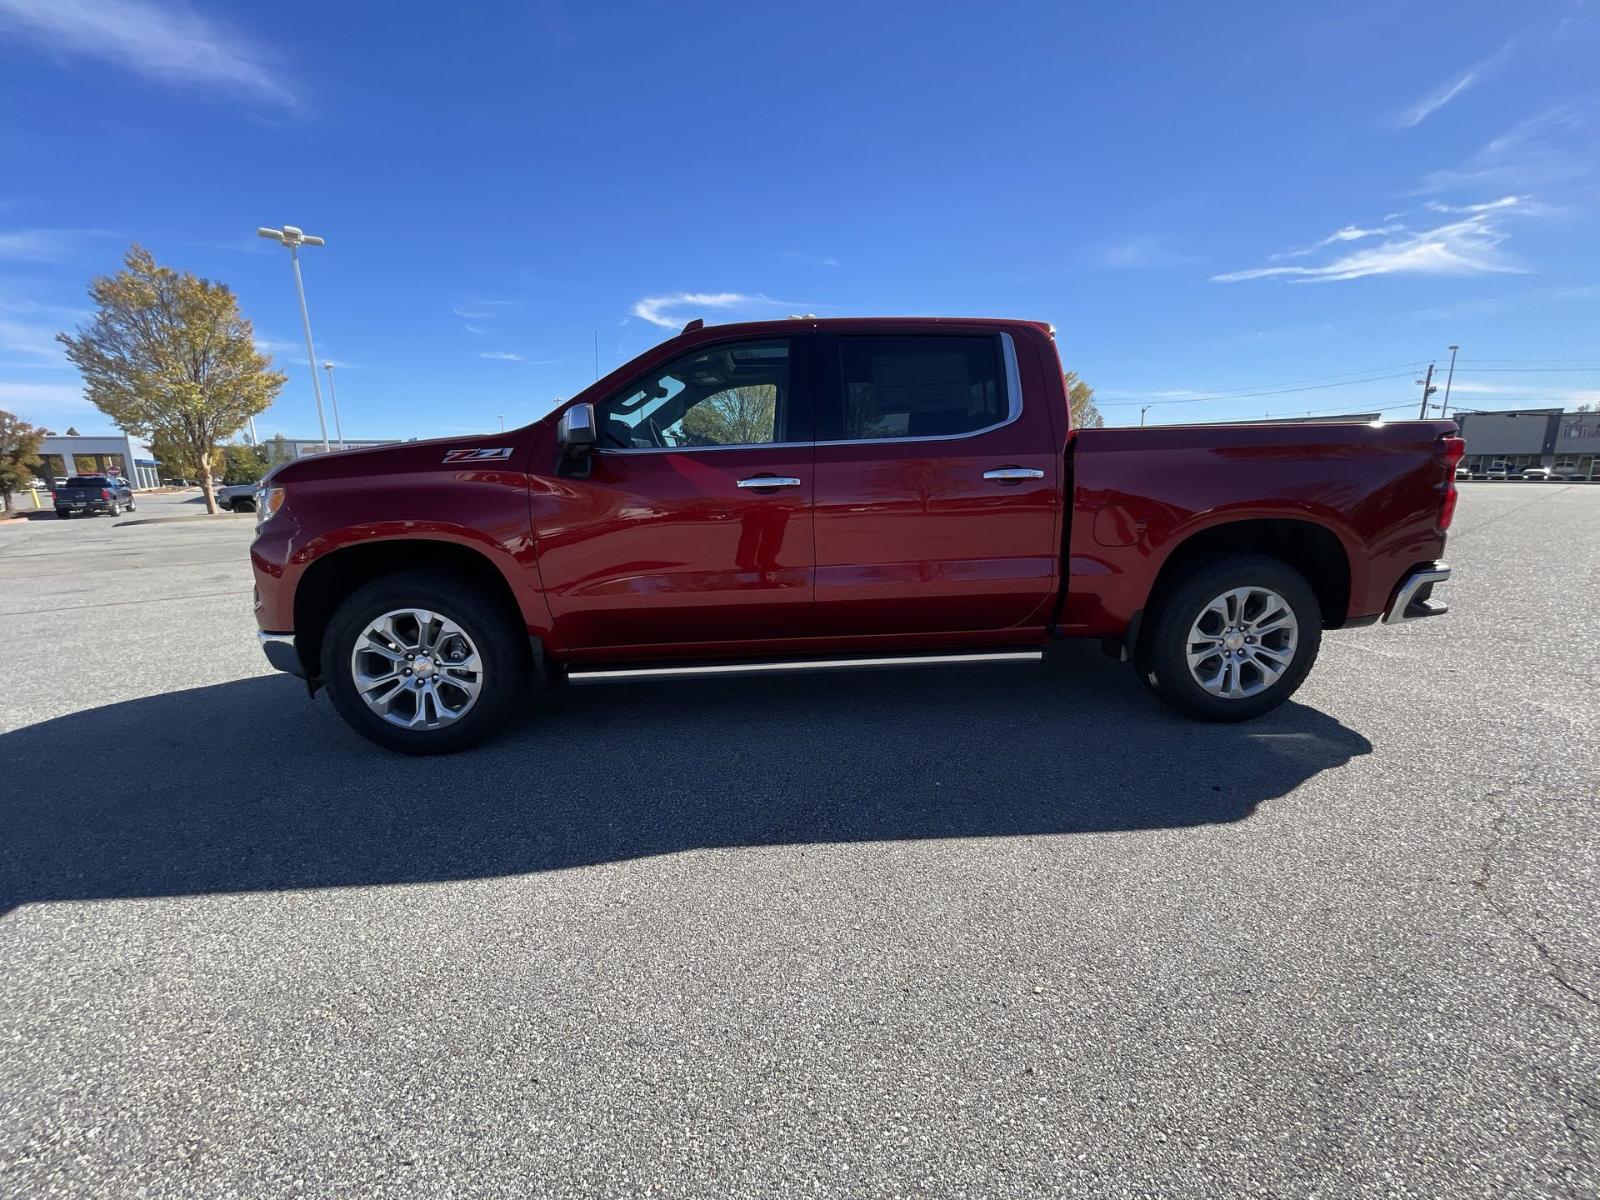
(1413, 598)
(281, 652)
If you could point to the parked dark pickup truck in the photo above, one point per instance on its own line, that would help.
(92, 494)
(821, 495)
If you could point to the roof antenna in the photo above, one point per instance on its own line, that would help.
(697, 323)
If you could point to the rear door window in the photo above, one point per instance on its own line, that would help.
(918, 386)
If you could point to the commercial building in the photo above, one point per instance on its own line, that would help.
(1532, 437)
(123, 454)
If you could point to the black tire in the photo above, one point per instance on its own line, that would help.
(113, 509)
(132, 507)
(225, 505)
(64, 514)
(501, 644)
(1162, 656)
(244, 506)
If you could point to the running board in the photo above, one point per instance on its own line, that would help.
(801, 666)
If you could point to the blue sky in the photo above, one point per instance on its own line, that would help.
(1226, 211)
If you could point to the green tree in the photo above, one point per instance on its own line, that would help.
(1080, 398)
(72, 431)
(178, 461)
(169, 357)
(740, 416)
(19, 454)
(242, 464)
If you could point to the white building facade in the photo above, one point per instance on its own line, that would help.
(122, 454)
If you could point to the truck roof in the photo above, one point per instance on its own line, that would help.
(696, 330)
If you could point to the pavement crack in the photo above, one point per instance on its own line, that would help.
(1500, 828)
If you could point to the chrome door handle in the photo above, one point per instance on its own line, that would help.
(770, 481)
(1013, 474)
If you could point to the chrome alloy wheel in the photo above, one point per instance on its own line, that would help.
(416, 669)
(1242, 642)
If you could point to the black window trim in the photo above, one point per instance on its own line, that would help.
(1013, 385)
(801, 346)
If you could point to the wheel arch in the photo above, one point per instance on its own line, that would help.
(1311, 547)
(331, 577)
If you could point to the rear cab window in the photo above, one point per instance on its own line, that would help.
(918, 386)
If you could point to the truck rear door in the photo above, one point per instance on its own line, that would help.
(937, 487)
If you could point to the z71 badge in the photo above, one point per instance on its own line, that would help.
(493, 455)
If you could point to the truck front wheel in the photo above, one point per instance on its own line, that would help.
(423, 663)
(1233, 639)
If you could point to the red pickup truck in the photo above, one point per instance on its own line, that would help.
(831, 494)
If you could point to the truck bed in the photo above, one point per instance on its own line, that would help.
(1138, 493)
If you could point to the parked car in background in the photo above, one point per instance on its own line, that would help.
(1500, 470)
(1463, 473)
(237, 497)
(83, 495)
(1539, 474)
(821, 495)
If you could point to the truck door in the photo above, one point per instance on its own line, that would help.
(936, 488)
(694, 525)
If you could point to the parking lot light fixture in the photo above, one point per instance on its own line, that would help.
(333, 399)
(295, 238)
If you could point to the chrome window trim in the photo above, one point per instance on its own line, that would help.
(1013, 412)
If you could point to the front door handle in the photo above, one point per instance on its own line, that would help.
(770, 481)
(1013, 474)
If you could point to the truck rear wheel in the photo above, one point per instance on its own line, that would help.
(422, 663)
(1233, 639)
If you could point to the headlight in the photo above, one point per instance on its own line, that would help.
(268, 501)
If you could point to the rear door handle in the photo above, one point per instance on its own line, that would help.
(1013, 474)
(770, 481)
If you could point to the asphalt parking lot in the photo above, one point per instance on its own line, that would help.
(1007, 931)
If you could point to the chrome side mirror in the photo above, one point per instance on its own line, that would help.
(575, 432)
(575, 438)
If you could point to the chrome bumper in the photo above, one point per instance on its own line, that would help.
(1413, 599)
(280, 651)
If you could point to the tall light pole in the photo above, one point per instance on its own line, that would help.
(1142, 412)
(294, 239)
(333, 398)
(1443, 412)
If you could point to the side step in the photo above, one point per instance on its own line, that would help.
(796, 666)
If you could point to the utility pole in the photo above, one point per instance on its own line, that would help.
(294, 239)
(1427, 390)
(1448, 380)
(1143, 409)
(502, 417)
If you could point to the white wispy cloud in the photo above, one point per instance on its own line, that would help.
(1350, 233)
(164, 42)
(501, 355)
(816, 260)
(1142, 252)
(669, 311)
(51, 395)
(45, 245)
(1468, 245)
(474, 329)
(1451, 88)
(30, 339)
(1553, 147)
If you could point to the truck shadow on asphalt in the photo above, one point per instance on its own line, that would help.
(247, 786)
